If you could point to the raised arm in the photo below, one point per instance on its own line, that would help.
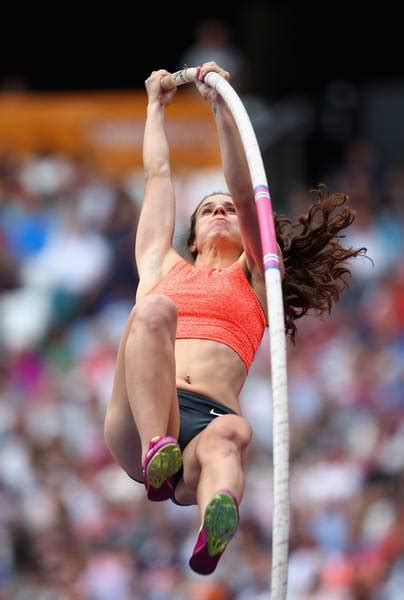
(235, 168)
(157, 218)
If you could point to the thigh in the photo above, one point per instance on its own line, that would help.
(121, 432)
(146, 358)
(119, 401)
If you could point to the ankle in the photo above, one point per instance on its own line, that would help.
(146, 445)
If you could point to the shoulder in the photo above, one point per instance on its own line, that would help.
(151, 276)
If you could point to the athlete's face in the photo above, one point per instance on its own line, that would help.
(217, 223)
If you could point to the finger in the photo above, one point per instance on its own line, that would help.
(212, 66)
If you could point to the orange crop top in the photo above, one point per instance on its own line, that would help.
(218, 305)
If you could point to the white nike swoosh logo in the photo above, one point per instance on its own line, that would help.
(212, 412)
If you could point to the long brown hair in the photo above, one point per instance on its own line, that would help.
(316, 270)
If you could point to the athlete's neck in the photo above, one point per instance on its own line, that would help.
(217, 259)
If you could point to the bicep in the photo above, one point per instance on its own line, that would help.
(155, 230)
(250, 235)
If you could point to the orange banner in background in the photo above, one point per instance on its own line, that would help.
(106, 126)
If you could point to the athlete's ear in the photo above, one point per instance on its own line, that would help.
(192, 247)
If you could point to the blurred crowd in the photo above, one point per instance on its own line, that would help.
(73, 526)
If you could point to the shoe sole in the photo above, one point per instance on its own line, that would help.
(221, 522)
(165, 463)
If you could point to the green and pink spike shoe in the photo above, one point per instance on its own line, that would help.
(162, 461)
(219, 525)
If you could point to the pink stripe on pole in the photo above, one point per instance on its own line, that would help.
(267, 228)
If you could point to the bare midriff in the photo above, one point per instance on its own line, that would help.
(210, 368)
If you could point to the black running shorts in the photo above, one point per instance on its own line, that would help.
(196, 412)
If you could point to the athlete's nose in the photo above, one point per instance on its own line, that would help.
(219, 208)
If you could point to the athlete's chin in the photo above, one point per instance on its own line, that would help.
(220, 232)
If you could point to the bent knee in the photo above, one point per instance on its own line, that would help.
(232, 430)
(230, 427)
(156, 311)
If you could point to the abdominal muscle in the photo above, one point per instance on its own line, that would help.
(210, 368)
